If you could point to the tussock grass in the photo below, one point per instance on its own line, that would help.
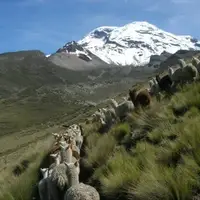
(98, 153)
(154, 155)
(22, 187)
(163, 158)
(120, 131)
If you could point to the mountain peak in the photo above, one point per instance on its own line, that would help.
(131, 44)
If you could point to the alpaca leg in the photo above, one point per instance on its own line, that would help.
(42, 188)
(158, 97)
(52, 191)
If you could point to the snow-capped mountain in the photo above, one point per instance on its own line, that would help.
(134, 43)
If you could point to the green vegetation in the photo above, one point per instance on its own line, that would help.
(21, 187)
(154, 155)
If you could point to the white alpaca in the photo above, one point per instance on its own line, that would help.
(123, 108)
(97, 115)
(76, 134)
(154, 87)
(57, 159)
(78, 191)
(182, 63)
(58, 181)
(196, 63)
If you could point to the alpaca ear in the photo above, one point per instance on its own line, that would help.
(43, 169)
(67, 164)
(53, 155)
(64, 146)
(76, 164)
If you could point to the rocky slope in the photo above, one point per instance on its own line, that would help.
(34, 90)
(73, 56)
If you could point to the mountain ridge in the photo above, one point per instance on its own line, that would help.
(133, 43)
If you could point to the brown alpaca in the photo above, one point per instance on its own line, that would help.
(141, 98)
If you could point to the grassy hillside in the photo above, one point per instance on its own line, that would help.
(153, 155)
(35, 91)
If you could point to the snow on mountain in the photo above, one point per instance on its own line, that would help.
(134, 43)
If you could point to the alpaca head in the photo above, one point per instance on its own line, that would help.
(124, 98)
(73, 171)
(44, 172)
(102, 121)
(195, 61)
(56, 135)
(154, 81)
(104, 110)
(182, 63)
(151, 83)
(157, 78)
(66, 152)
(113, 103)
(133, 94)
(170, 71)
(56, 157)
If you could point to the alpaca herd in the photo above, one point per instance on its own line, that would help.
(185, 73)
(61, 179)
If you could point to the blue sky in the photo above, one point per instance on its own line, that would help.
(48, 24)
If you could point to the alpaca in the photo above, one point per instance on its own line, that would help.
(57, 160)
(58, 182)
(78, 191)
(182, 75)
(177, 75)
(75, 134)
(195, 61)
(151, 83)
(42, 185)
(69, 150)
(66, 152)
(182, 63)
(141, 98)
(56, 135)
(164, 83)
(124, 98)
(154, 89)
(190, 73)
(122, 109)
(114, 103)
(96, 116)
(79, 138)
(55, 149)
